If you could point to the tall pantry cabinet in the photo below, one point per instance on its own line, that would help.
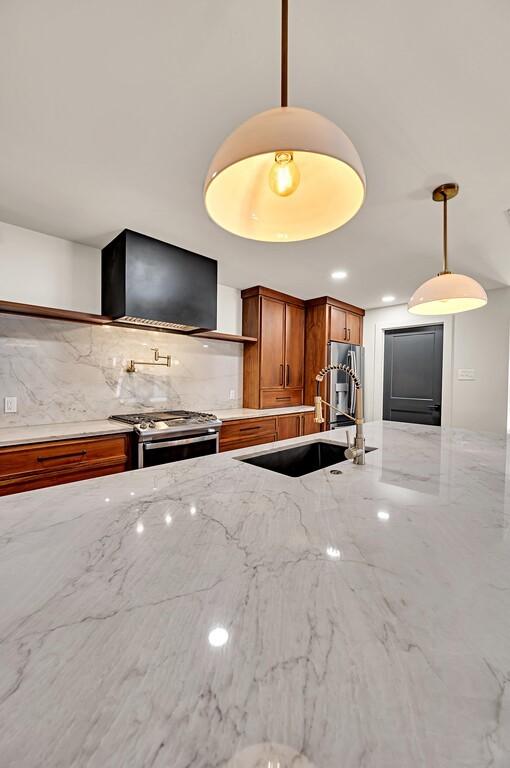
(274, 364)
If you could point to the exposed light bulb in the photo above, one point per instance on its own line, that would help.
(284, 175)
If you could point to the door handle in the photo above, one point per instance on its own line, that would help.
(170, 443)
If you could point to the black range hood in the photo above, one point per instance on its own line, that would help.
(149, 283)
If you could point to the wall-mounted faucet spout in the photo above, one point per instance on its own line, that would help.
(157, 357)
(356, 451)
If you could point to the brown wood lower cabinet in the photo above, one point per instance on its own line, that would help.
(39, 465)
(243, 433)
(310, 427)
(289, 426)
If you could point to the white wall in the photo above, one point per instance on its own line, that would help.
(48, 271)
(481, 340)
(52, 272)
(477, 340)
(230, 310)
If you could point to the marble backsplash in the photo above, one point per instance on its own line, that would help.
(62, 371)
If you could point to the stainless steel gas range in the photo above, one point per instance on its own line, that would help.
(166, 436)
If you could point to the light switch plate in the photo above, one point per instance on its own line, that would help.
(466, 374)
(10, 404)
(232, 394)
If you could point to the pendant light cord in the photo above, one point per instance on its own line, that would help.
(445, 234)
(285, 53)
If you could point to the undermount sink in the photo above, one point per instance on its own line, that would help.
(301, 459)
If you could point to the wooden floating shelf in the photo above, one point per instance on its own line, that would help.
(69, 315)
(218, 336)
(51, 313)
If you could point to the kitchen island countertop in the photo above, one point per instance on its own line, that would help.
(366, 614)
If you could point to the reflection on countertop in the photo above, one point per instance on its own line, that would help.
(206, 612)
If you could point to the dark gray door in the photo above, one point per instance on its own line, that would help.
(413, 374)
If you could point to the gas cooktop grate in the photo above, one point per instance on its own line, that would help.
(153, 416)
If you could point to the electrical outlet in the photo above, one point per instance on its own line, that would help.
(232, 394)
(10, 404)
(466, 374)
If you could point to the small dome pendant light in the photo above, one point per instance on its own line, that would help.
(447, 293)
(286, 174)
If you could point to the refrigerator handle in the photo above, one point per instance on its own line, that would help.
(350, 403)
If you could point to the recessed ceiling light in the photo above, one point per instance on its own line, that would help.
(387, 299)
(339, 275)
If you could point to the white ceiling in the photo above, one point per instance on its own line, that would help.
(111, 110)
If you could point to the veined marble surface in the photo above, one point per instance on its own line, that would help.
(67, 431)
(75, 429)
(368, 613)
(68, 372)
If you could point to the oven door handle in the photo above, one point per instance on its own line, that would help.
(187, 441)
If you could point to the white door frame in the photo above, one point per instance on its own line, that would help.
(415, 321)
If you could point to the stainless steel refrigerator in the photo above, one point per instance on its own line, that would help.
(341, 390)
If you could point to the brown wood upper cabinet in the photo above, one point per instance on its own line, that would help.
(274, 365)
(345, 326)
(327, 319)
(272, 343)
(294, 346)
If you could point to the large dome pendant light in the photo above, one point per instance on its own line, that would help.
(447, 293)
(286, 174)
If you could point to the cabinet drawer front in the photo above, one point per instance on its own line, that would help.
(244, 428)
(70, 474)
(247, 442)
(278, 398)
(46, 457)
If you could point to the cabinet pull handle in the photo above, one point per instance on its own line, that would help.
(349, 332)
(283, 398)
(288, 375)
(345, 333)
(62, 456)
(281, 375)
(249, 429)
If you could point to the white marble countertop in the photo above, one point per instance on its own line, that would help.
(67, 430)
(255, 413)
(368, 613)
